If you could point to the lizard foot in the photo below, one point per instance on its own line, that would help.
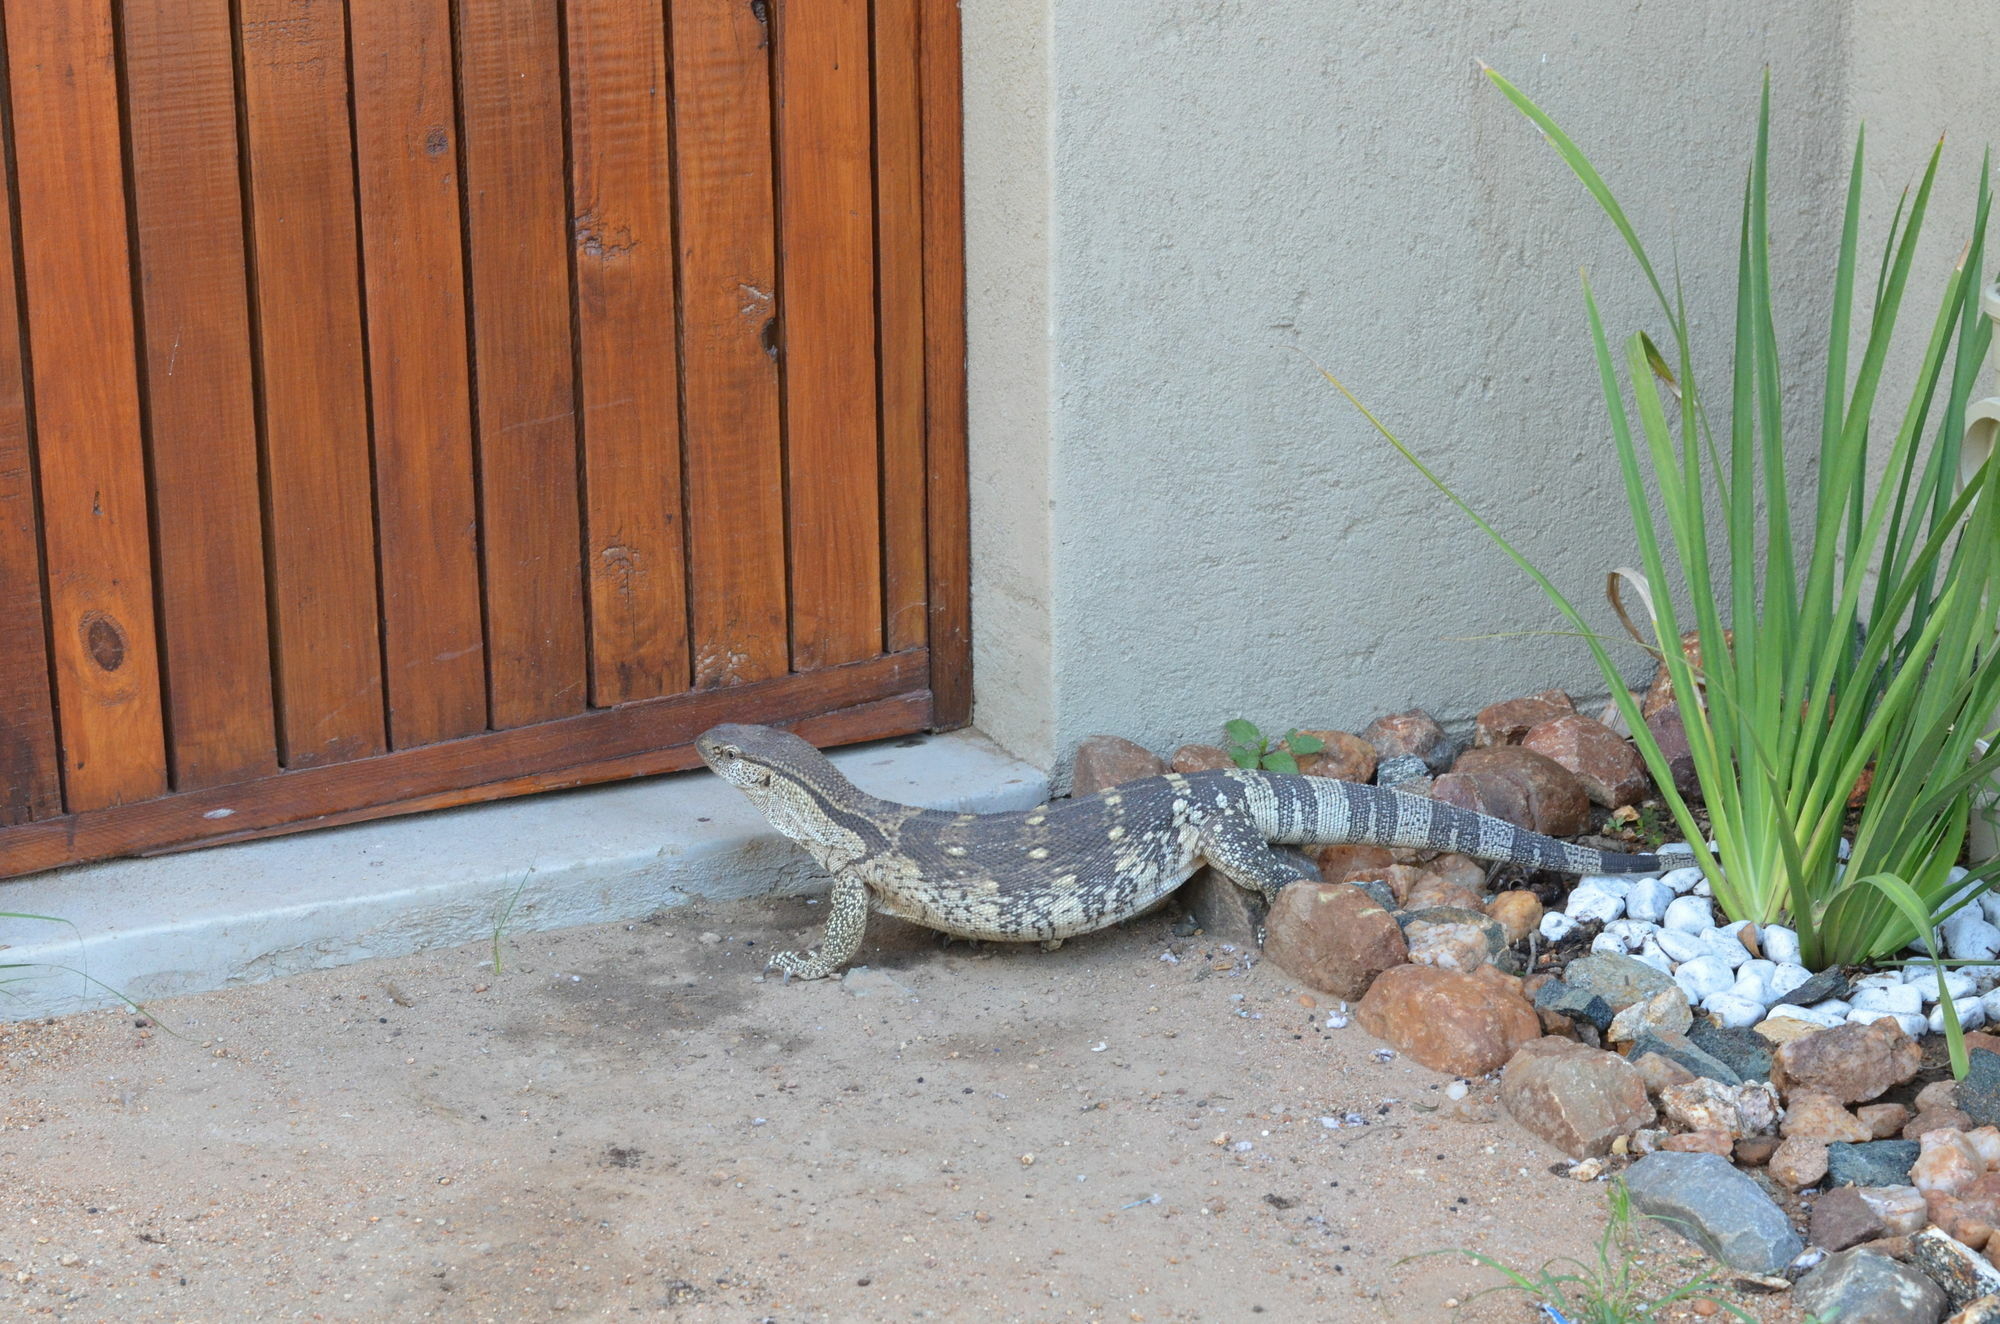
(1051, 944)
(803, 965)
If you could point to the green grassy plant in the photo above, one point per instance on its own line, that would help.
(1860, 643)
(1603, 1290)
(1248, 747)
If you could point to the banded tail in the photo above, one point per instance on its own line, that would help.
(1320, 811)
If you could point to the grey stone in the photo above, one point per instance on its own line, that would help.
(1826, 984)
(1377, 889)
(1224, 911)
(1871, 1163)
(1986, 1310)
(1979, 1092)
(1705, 1199)
(1964, 1274)
(1576, 1004)
(1743, 1051)
(1858, 1285)
(1619, 980)
(1396, 769)
(1678, 1048)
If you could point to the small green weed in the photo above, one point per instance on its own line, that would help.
(1575, 1292)
(88, 978)
(1248, 747)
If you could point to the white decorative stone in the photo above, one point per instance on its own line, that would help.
(1732, 1012)
(1881, 979)
(1810, 1015)
(1723, 943)
(1648, 900)
(1620, 883)
(1689, 914)
(1753, 982)
(1956, 983)
(1971, 1015)
(1681, 881)
(1593, 901)
(1969, 937)
(1990, 903)
(1786, 976)
(1632, 932)
(1903, 1000)
(1991, 1005)
(1679, 945)
(1556, 926)
(1835, 1007)
(1702, 888)
(1609, 943)
(1703, 976)
(1984, 977)
(1781, 944)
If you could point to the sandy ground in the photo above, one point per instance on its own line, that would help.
(626, 1122)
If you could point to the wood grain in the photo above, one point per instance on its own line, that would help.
(623, 250)
(517, 222)
(735, 459)
(201, 410)
(405, 131)
(320, 523)
(30, 779)
(950, 515)
(63, 79)
(899, 303)
(651, 736)
(826, 290)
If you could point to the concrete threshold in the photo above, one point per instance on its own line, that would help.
(187, 923)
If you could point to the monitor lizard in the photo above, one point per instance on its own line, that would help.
(1048, 873)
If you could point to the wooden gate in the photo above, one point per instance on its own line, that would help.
(411, 402)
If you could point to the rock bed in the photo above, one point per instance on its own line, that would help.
(1778, 1117)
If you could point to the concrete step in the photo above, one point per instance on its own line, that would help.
(239, 914)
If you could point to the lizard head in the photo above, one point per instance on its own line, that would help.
(761, 760)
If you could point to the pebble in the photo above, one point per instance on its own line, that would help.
(1912, 1024)
(1689, 914)
(1781, 944)
(1593, 900)
(1725, 947)
(1704, 975)
(1680, 945)
(1648, 900)
(1681, 881)
(1733, 1012)
(1902, 999)
(1556, 926)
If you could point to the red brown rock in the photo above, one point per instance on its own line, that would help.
(1518, 912)
(1106, 761)
(1661, 1073)
(1672, 738)
(1578, 1099)
(1333, 937)
(1464, 1024)
(1461, 869)
(1798, 1163)
(1431, 890)
(1937, 1094)
(1484, 793)
(1200, 758)
(1611, 771)
(1701, 1142)
(1557, 803)
(1854, 1063)
(1346, 757)
(1753, 1151)
(1448, 946)
(1344, 864)
(1661, 692)
(1948, 1163)
(1506, 722)
(1413, 732)
(1936, 1119)
(1816, 1115)
(1842, 1218)
(1883, 1120)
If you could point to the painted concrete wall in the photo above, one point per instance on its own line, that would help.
(1173, 202)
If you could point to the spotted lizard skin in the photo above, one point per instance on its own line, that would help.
(1057, 870)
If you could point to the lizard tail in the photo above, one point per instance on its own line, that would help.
(1309, 811)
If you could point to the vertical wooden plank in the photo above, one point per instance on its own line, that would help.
(735, 459)
(624, 253)
(516, 221)
(944, 365)
(70, 171)
(320, 529)
(899, 302)
(30, 785)
(405, 126)
(180, 80)
(826, 284)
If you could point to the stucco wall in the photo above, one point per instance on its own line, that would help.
(1171, 203)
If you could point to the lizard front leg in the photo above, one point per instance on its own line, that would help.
(846, 922)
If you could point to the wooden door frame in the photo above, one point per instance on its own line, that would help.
(922, 688)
